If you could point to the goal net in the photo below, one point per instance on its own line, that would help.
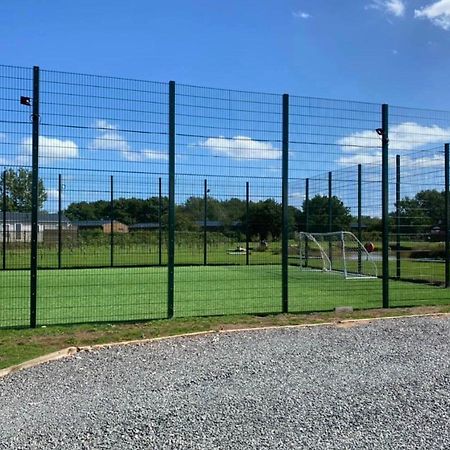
(339, 252)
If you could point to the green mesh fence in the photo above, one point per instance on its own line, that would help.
(155, 200)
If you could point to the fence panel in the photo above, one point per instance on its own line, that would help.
(103, 149)
(417, 206)
(328, 140)
(224, 140)
(15, 198)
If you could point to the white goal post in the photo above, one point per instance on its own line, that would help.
(339, 252)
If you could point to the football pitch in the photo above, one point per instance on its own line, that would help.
(122, 294)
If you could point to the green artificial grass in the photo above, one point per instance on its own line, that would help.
(131, 294)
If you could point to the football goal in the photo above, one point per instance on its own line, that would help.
(339, 252)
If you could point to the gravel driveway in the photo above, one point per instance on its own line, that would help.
(379, 385)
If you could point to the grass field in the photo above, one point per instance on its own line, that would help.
(105, 295)
(137, 255)
(217, 254)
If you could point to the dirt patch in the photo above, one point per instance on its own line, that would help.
(352, 323)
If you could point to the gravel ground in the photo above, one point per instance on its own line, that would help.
(383, 385)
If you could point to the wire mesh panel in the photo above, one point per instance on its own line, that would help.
(333, 189)
(103, 150)
(417, 206)
(228, 202)
(109, 230)
(15, 196)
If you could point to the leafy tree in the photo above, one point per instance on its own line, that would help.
(98, 210)
(264, 218)
(195, 207)
(18, 190)
(318, 215)
(126, 210)
(419, 213)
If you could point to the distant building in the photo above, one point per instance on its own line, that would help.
(144, 226)
(104, 225)
(18, 226)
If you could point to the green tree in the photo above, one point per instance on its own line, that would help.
(419, 213)
(18, 190)
(265, 217)
(318, 215)
(126, 210)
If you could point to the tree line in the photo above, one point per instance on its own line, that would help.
(417, 214)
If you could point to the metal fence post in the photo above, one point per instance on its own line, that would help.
(247, 236)
(397, 216)
(111, 216)
(4, 221)
(447, 216)
(330, 212)
(59, 220)
(34, 198)
(159, 222)
(385, 199)
(359, 214)
(306, 221)
(285, 200)
(171, 249)
(205, 213)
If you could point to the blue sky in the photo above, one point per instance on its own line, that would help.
(391, 51)
(394, 51)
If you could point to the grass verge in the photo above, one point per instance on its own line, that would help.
(17, 346)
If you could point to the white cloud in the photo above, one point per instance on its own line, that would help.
(111, 139)
(361, 139)
(434, 160)
(143, 155)
(393, 7)
(410, 135)
(360, 158)
(52, 194)
(404, 136)
(3, 161)
(241, 147)
(301, 15)
(51, 148)
(364, 147)
(438, 13)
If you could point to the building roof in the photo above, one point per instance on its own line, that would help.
(210, 223)
(94, 223)
(25, 217)
(144, 226)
